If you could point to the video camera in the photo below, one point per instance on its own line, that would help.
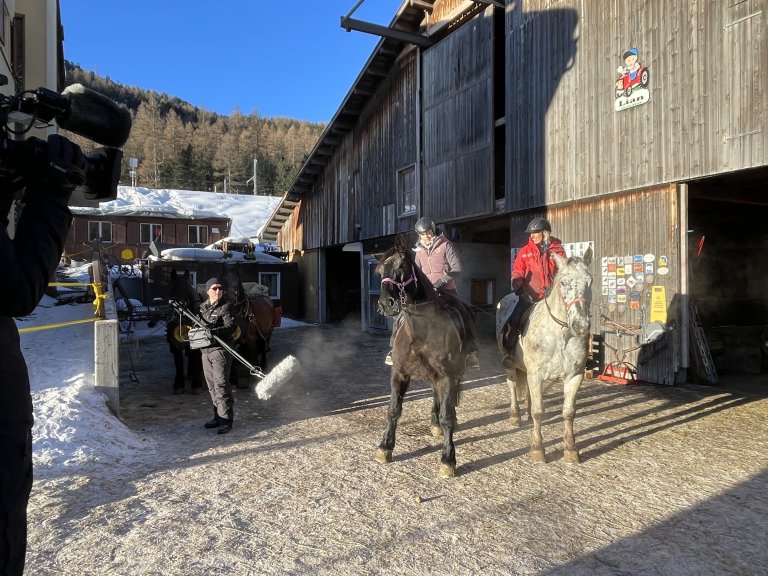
(79, 110)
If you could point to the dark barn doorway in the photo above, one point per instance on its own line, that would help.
(342, 279)
(728, 267)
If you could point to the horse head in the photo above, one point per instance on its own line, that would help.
(233, 286)
(573, 283)
(402, 282)
(181, 290)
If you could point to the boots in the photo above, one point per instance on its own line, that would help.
(215, 422)
(224, 426)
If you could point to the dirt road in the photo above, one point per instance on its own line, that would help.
(672, 480)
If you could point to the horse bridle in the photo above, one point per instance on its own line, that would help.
(401, 285)
(567, 306)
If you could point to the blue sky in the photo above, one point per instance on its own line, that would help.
(275, 57)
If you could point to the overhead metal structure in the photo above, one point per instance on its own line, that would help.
(408, 27)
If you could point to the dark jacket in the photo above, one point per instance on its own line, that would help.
(219, 319)
(29, 260)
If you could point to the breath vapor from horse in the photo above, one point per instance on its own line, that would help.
(553, 347)
(429, 345)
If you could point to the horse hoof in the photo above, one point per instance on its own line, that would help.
(514, 420)
(383, 456)
(447, 470)
(437, 432)
(538, 456)
(572, 456)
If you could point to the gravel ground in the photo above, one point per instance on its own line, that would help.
(673, 480)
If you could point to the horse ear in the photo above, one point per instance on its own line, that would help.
(559, 260)
(400, 243)
(587, 258)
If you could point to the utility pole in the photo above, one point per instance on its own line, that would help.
(255, 177)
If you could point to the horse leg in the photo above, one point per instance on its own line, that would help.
(178, 362)
(570, 390)
(261, 348)
(449, 398)
(434, 426)
(536, 408)
(514, 409)
(398, 385)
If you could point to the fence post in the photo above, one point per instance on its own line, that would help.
(106, 353)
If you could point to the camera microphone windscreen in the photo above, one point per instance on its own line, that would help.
(96, 117)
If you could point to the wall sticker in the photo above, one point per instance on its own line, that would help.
(631, 88)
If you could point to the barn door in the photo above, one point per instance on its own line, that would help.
(458, 122)
(374, 322)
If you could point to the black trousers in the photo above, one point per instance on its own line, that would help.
(15, 487)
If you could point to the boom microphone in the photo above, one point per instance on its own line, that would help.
(94, 116)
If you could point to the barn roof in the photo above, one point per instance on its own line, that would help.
(407, 27)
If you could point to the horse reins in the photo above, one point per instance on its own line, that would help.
(567, 306)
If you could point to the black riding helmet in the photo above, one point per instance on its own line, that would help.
(423, 224)
(537, 225)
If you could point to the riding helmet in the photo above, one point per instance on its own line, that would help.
(538, 224)
(423, 224)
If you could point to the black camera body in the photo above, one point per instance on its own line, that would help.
(77, 109)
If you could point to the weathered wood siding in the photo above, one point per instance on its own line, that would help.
(458, 122)
(360, 179)
(708, 104)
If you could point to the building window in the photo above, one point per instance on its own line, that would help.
(100, 231)
(150, 233)
(482, 292)
(198, 234)
(406, 190)
(272, 281)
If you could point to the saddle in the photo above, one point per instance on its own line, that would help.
(512, 330)
(457, 311)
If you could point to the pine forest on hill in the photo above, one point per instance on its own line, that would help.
(180, 146)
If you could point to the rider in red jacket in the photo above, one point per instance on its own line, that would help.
(532, 274)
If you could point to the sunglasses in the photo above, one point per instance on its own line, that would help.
(217, 288)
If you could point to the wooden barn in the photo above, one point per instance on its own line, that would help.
(638, 128)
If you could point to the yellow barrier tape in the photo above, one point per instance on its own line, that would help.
(59, 325)
(98, 306)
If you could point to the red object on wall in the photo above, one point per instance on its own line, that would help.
(278, 317)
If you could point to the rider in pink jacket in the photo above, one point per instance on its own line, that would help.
(439, 260)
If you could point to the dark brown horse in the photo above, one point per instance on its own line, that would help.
(429, 346)
(176, 334)
(255, 314)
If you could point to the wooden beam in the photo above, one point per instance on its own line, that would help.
(352, 24)
(422, 5)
